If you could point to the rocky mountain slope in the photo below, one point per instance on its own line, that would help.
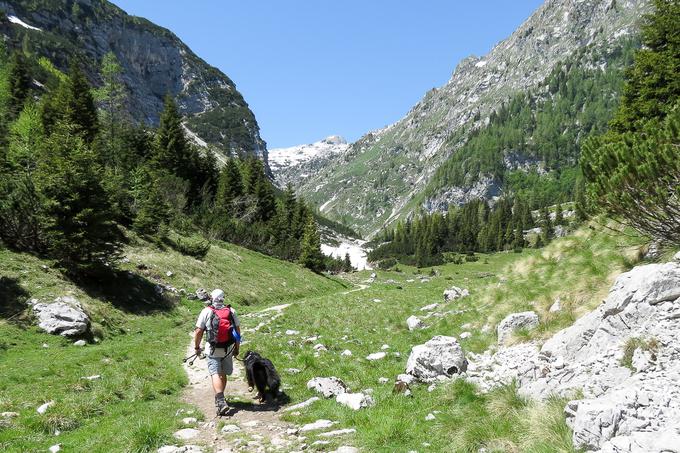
(286, 162)
(155, 63)
(380, 176)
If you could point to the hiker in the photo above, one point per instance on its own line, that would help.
(223, 337)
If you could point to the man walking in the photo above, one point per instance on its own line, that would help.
(223, 336)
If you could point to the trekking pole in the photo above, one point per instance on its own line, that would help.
(196, 356)
(184, 360)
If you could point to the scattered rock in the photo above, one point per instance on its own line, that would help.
(354, 401)
(319, 424)
(385, 347)
(440, 356)
(454, 293)
(43, 408)
(189, 421)
(187, 434)
(377, 300)
(346, 449)
(202, 294)
(429, 307)
(251, 423)
(383, 380)
(64, 316)
(319, 348)
(230, 429)
(169, 274)
(80, 343)
(465, 335)
(526, 320)
(55, 448)
(556, 306)
(302, 405)
(338, 432)
(346, 353)
(182, 449)
(292, 332)
(414, 322)
(92, 378)
(429, 417)
(376, 356)
(9, 414)
(327, 386)
(292, 370)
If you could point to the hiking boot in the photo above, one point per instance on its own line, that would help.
(222, 407)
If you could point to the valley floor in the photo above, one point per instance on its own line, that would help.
(142, 396)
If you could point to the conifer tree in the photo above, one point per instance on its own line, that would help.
(26, 136)
(19, 83)
(559, 217)
(171, 148)
(111, 97)
(347, 264)
(547, 230)
(229, 189)
(79, 229)
(310, 249)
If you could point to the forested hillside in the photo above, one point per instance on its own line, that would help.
(153, 62)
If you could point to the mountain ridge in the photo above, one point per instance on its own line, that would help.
(375, 180)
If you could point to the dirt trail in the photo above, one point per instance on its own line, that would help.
(260, 428)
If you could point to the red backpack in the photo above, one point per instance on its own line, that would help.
(221, 323)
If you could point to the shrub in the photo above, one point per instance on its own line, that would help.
(196, 247)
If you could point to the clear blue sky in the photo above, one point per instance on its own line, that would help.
(313, 68)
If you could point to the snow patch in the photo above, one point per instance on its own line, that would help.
(481, 64)
(16, 20)
(281, 158)
(357, 253)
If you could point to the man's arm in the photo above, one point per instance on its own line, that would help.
(198, 336)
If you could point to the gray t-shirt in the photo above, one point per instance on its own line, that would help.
(202, 323)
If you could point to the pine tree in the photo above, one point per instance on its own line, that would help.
(19, 83)
(547, 230)
(111, 97)
(559, 217)
(581, 207)
(26, 136)
(78, 221)
(229, 189)
(72, 103)
(347, 264)
(310, 249)
(171, 148)
(265, 199)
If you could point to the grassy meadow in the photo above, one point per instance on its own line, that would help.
(139, 339)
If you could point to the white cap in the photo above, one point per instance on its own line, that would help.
(217, 296)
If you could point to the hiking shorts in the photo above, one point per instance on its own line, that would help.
(221, 365)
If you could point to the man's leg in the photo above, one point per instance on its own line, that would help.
(219, 382)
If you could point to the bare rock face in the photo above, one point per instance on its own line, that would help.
(440, 357)
(623, 359)
(154, 63)
(65, 316)
(327, 386)
(514, 322)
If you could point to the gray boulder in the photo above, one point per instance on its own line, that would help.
(454, 293)
(65, 316)
(440, 357)
(515, 321)
(328, 386)
(414, 322)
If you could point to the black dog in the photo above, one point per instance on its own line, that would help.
(261, 374)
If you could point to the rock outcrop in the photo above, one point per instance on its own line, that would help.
(527, 320)
(65, 316)
(439, 358)
(623, 359)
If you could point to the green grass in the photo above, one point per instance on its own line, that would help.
(143, 337)
(649, 345)
(578, 269)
